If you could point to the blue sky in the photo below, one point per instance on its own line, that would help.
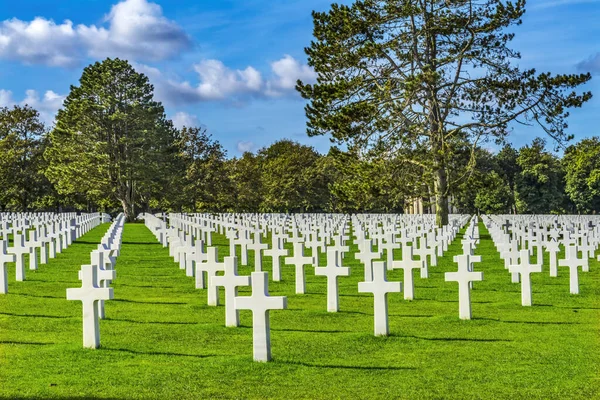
(230, 65)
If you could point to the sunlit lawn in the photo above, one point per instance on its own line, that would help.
(161, 340)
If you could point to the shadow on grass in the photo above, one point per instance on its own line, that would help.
(151, 322)
(34, 315)
(158, 353)
(357, 367)
(455, 301)
(411, 316)
(25, 343)
(117, 284)
(450, 339)
(41, 297)
(150, 302)
(59, 398)
(529, 322)
(310, 330)
(142, 243)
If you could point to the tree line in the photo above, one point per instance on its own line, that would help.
(163, 168)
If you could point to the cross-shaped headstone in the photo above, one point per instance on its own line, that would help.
(89, 294)
(464, 276)
(260, 303)
(299, 260)
(524, 269)
(230, 282)
(211, 266)
(4, 258)
(366, 255)
(19, 249)
(258, 247)
(407, 264)
(380, 287)
(572, 262)
(332, 271)
(553, 248)
(275, 253)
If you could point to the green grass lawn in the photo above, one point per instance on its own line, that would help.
(160, 339)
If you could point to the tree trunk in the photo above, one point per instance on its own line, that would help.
(441, 197)
(128, 210)
(127, 201)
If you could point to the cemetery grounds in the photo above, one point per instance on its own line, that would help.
(160, 339)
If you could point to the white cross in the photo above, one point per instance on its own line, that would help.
(464, 276)
(105, 275)
(366, 255)
(332, 271)
(572, 262)
(380, 287)
(258, 247)
(4, 258)
(408, 264)
(299, 260)
(198, 257)
(524, 269)
(260, 303)
(19, 250)
(275, 253)
(230, 282)
(89, 294)
(553, 247)
(211, 266)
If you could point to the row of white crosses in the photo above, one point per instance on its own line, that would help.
(465, 276)
(48, 234)
(95, 282)
(184, 236)
(260, 303)
(515, 238)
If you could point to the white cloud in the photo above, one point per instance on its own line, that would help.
(6, 99)
(136, 29)
(243, 147)
(182, 119)
(592, 64)
(47, 105)
(217, 82)
(287, 72)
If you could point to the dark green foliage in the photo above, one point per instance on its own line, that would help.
(420, 80)
(112, 142)
(23, 186)
(540, 184)
(581, 164)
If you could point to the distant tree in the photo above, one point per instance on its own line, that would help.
(540, 184)
(357, 184)
(204, 179)
(581, 164)
(22, 183)
(290, 178)
(495, 195)
(112, 141)
(419, 79)
(246, 191)
(508, 169)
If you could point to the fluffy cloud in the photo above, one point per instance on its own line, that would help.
(243, 147)
(217, 82)
(592, 64)
(182, 119)
(47, 105)
(134, 29)
(287, 71)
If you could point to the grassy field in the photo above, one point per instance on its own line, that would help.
(160, 339)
